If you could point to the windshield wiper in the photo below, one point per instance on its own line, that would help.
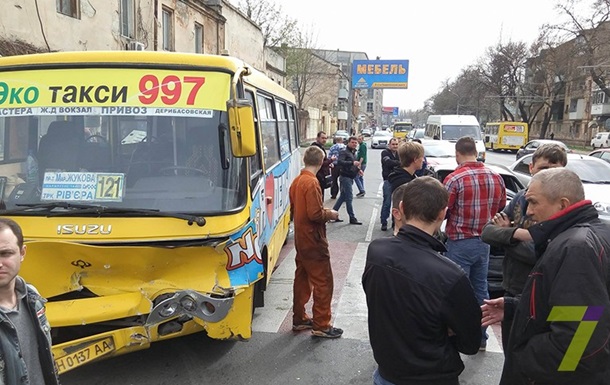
(72, 208)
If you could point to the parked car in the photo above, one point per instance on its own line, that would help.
(602, 139)
(366, 132)
(496, 255)
(602, 153)
(381, 139)
(593, 172)
(341, 133)
(417, 133)
(532, 145)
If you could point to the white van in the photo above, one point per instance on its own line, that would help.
(602, 139)
(453, 127)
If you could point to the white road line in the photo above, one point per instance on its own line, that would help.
(352, 312)
(374, 215)
(278, 298)
(493, 345)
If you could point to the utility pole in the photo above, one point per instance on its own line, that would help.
(457, 109)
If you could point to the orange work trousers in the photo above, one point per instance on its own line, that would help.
(313, 275)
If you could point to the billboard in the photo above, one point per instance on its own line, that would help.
(380, 74)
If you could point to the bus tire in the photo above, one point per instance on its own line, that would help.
(258, 295)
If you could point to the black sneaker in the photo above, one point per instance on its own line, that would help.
(360, 194)
(384, 227)
(337, 220)
(354, 221)
(302, 326)
(330, 333)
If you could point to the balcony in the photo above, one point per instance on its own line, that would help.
(600, 109)
(343, 94)
(577, 109)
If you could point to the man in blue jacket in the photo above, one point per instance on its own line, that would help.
(422, 311)
(561, 322)
(25, 334)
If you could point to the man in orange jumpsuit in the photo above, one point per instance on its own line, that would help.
(313, 270)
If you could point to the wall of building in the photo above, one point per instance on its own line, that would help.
(243, 38)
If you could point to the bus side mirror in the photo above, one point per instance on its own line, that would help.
(241, 127)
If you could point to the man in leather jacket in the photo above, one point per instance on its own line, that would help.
(25, 334)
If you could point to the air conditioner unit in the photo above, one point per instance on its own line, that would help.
(135, 46)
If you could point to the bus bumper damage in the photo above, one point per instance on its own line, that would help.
(121, 299)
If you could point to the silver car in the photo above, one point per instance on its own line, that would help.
(381, 139)
(593, 172)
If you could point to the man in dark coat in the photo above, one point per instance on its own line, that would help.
(561, 321)
(422, 311)
(324, 174)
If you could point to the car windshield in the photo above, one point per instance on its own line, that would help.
(402, 127)
(382, 133)
(451, 132)
(439, 150)
(590, 171)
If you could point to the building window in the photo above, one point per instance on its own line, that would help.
(168, 29)
(369, 107)
(198, 38)
(127, 19)
(69, 8)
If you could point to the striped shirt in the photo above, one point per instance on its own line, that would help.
(476, 194)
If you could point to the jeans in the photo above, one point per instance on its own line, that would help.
(472, 255)
(387, 202)
(334, 189)
(360, 179)
(378, 380)
(345, 195)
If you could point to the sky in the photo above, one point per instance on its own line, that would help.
(438, 37)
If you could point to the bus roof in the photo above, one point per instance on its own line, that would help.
(143, 59)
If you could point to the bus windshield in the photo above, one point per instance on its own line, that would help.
(128, 157)
(402, 127)
(453, 132)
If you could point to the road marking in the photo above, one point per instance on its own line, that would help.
(373, 220)
(352, 312)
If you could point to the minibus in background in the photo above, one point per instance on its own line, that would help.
(401, 129)
(508, 136)
(453, 127)
(152, 188)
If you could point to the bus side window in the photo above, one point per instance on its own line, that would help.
(271, 152)
(256, 168)
(294, 138)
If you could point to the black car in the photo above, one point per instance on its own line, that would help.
(496, 255)
(532, 145)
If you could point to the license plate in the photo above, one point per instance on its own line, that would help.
(84, 355)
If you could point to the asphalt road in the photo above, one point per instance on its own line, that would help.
(276, 355)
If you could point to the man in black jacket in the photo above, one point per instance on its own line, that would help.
(389, 161)
(561, 321)
(422, 311)
(324, 174)
(505, 226)
(349, 168)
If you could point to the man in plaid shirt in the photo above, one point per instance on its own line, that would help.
(476, 194)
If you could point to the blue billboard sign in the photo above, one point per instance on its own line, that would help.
(380, 74)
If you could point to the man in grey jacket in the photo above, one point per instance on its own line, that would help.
(25, 334)
(503, 230)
